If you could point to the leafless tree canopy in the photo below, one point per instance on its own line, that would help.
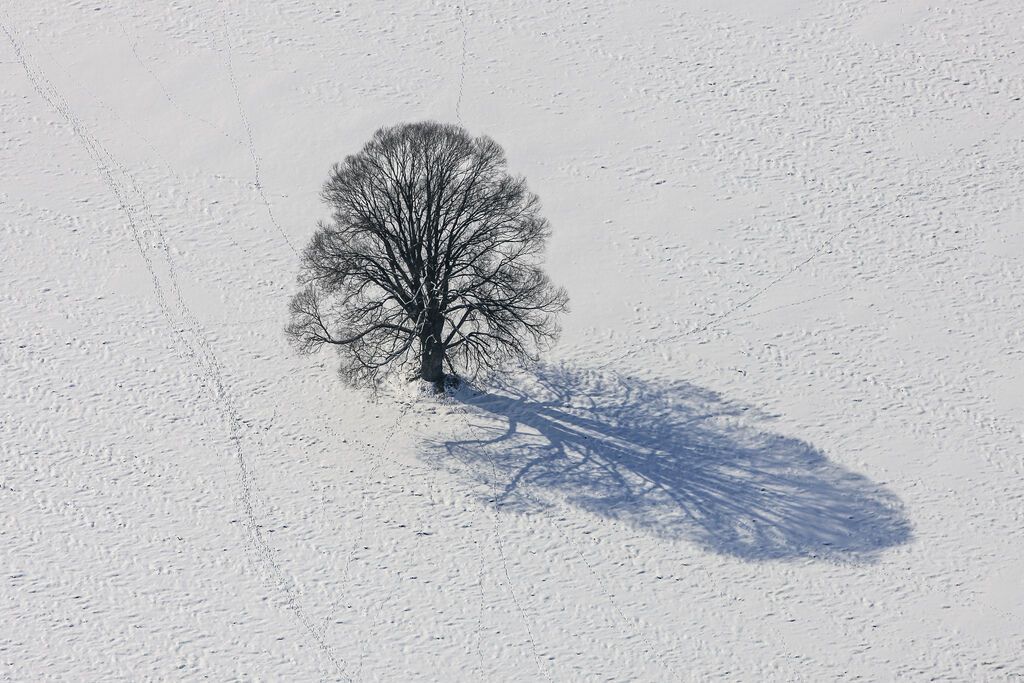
(431, 258)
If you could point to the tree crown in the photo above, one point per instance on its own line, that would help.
(432, 253)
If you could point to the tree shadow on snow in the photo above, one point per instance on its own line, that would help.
(676, 460)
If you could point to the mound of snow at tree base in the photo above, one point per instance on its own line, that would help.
(780, 438)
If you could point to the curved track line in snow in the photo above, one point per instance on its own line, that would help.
(248, 132)
(480, 609)
(716, 319)
(462, 68)
(133, 44)
(357, 537)
(546, 671)
(197, 348)
(764, 290)
(497, 520)
(844, 287)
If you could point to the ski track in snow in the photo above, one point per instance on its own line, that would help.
(192, 341)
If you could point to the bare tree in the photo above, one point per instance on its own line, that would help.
(431, 258)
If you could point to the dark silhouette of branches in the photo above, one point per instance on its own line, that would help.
(431, 258)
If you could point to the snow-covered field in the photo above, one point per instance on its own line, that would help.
(781, 437)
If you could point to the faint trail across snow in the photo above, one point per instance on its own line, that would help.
(497, 520)
(744, 303)
(357, 537)
(132, 43)
(462, 67)
(764, 290)
(228, 51)
(192, 340)
(495, 510)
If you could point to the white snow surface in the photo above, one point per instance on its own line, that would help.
(780, 438)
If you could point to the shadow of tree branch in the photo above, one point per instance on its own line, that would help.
(675, 460)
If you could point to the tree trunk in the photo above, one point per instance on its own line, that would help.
(432, 354)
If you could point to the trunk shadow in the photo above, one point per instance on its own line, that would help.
(675, 460)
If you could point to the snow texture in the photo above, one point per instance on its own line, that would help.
(781, 438)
